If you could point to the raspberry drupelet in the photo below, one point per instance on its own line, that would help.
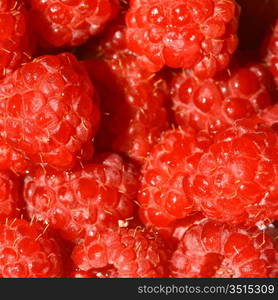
(200, 35)
(99, 194)
(212, 249)
(28, 251)
(16, 46)
(130, 253)
(167, 177)
(213, 104)
(10, 203)
(71, 22)
(48, 111)
(133, 101)
(236, 180)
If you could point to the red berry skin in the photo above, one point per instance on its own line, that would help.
(99, 195)
(11, 159)
(214, 104)
(26, 251)
(139, 98)
(50, 111)
(212, 249)
(193, 34)
(16, 46)
(9, 195)
(167, 176)
(70, 22)
(131, 252)
(270, 116)
(236, 180)
(270, 52)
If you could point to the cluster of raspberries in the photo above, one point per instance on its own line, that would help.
(138, 138)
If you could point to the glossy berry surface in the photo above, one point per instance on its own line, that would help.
(71, 22)
(212, 249)
(191, 34)
(130, 252)
(168, 175)
(16, 46)
(9, 195)
(214, 104)
(133, 101)
(26, 251)
(236, 180)
(99, 194)
(50, 110)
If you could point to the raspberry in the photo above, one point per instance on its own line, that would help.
(138, 98)
(167, 177)
(219, 250)
(206, 104)
(103, 273)
(26, 251)
(71, 22)
(194, 34)
(47, 112)
(270, 116)
(12, 160)
(270, 51)
(99, 195)
(15, 44)
(9, 195)
(237, 178)
(130, 252)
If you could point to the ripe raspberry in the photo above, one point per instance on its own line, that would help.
(138, 98)
(9, 195)
(167, 176)
(47, 112)
(237, 179)
(219, 250)
(192, 34)
(99, 194)
(109, 272)
(26, 251)
(12, 160)
(71, 22)
(15, 45)
(270, 116)
(206, 104)
(270, 51)
(130, 252)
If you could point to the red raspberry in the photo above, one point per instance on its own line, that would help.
(103, 273)
(9, 195)
(219, 250)
(270, 51)
(167, 175)
(12, 160)
(27, 251)
(15, 45)
(270, 116)
(192, 34)
(237, 179)
(48, 112)
(214, 104)
(99, 194)
(130, 252)
(138, 98)
(71, 22)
